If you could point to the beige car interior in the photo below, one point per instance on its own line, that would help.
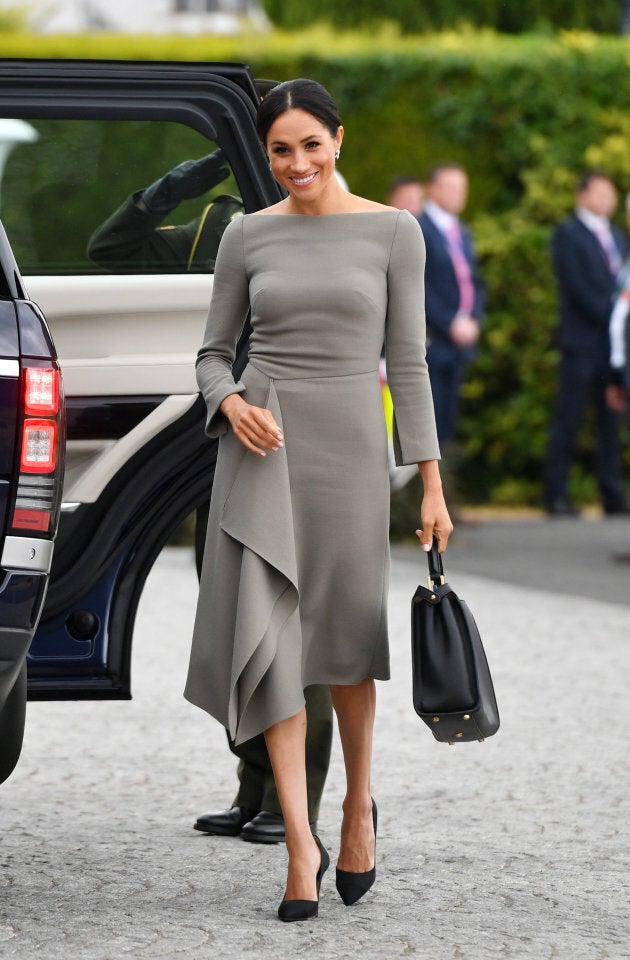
(123, 336)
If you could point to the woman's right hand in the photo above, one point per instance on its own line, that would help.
(255, 427)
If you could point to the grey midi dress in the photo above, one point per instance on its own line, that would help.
(294, 583)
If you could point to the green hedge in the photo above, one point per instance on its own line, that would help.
(413, 16)
(524, 115)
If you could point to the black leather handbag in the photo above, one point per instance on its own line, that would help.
(452, 686)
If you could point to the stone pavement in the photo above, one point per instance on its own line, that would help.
(514, 848)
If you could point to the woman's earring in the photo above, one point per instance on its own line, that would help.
(337, 154)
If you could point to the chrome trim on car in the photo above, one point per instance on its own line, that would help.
(27, 553)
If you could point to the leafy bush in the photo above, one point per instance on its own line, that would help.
(13, 19)
(415, 16)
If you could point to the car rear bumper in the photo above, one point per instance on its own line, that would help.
(31, 554)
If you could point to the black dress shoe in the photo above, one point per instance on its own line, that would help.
(267, 827)
(225, 823)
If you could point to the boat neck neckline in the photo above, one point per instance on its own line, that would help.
(323, 216)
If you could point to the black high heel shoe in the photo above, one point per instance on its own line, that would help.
(352, 886)
(290, 910)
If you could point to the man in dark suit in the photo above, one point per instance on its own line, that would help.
(454, 293)
(587, 258)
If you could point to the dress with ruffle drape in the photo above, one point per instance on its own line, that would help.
(294, 583)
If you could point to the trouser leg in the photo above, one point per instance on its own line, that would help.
(254, 772)
(608, 453)
(574, 376)
(445, 386)
(318, 743)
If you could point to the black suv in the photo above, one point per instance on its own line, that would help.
(119, 409)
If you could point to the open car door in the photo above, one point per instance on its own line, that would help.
(126, 323)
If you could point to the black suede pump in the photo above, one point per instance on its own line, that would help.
(290, 910)
(352, 886)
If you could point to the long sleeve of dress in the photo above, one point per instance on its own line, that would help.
(226, 317)
(415, 436)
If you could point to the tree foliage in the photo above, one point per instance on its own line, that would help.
(416, 16)
(13, 18)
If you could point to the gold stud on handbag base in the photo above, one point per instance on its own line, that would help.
(458, 736)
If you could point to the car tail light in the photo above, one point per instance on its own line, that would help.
(39, 446)
(41, 395)
(39, 479)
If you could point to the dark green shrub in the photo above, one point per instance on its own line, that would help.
(415, 16)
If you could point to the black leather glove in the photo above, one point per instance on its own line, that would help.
(184, 182)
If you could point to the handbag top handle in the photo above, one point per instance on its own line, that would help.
(436, 567)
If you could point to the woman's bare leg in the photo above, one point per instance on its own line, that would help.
(285, 744)
(355, 708)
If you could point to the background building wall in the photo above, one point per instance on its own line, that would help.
(144, 16)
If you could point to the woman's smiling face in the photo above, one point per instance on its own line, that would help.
(302, 154)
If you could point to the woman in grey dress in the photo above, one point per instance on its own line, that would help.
(294, 585)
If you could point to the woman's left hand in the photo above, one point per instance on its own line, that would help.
(434, 515)
(435, 521)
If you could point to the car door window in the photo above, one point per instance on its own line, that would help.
(71, 196)
(102, 264)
